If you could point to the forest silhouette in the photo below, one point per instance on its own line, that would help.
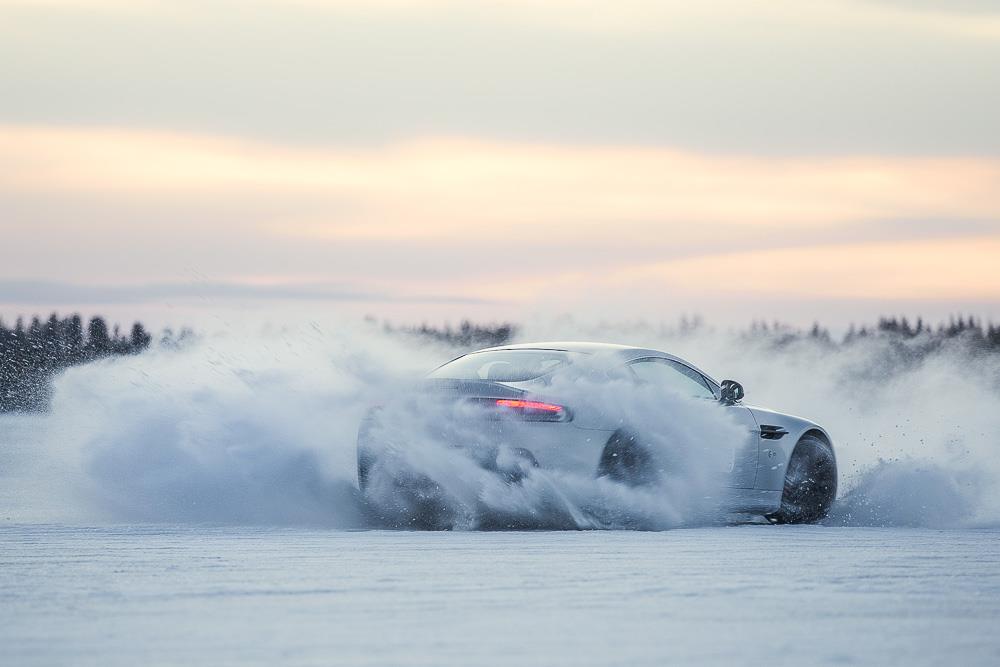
(32, 355)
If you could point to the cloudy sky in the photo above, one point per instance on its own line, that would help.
(808, 158)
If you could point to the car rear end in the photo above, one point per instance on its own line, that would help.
(496, 408)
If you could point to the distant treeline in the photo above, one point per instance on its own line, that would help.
(970, 332)
(467, 335)
(919, 336)
(30, 355)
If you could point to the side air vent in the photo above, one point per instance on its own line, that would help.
(768, 432)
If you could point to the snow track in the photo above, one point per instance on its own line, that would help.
(766, 595)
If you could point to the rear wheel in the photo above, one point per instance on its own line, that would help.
(625, 460)
(810, 483)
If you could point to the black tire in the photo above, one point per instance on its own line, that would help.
(810, 483)
(365, 464)
(364, 458)
(625, 460)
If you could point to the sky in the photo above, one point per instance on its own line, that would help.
(439, 159)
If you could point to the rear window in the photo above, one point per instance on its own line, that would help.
(503, 365)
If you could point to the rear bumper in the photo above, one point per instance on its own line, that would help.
(557, 447)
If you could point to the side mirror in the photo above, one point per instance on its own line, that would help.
(732, 392)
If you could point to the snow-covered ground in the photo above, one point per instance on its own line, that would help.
(198, 507)
(761, 595)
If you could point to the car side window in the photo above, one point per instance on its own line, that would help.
(673, 376)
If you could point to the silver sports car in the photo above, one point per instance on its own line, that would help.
(526, 411)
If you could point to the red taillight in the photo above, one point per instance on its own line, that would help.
(528, 405)
(534, 410)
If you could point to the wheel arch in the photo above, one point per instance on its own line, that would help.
(817, 432)
(625, 458)
(823, 436)
(812, 495)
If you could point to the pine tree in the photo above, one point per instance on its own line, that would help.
(52, 342)
(139, 339)
(73, 339)
(98, 341)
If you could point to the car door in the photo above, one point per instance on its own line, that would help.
(675, 376)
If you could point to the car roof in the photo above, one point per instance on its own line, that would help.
(620, 352)
(586, 347)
